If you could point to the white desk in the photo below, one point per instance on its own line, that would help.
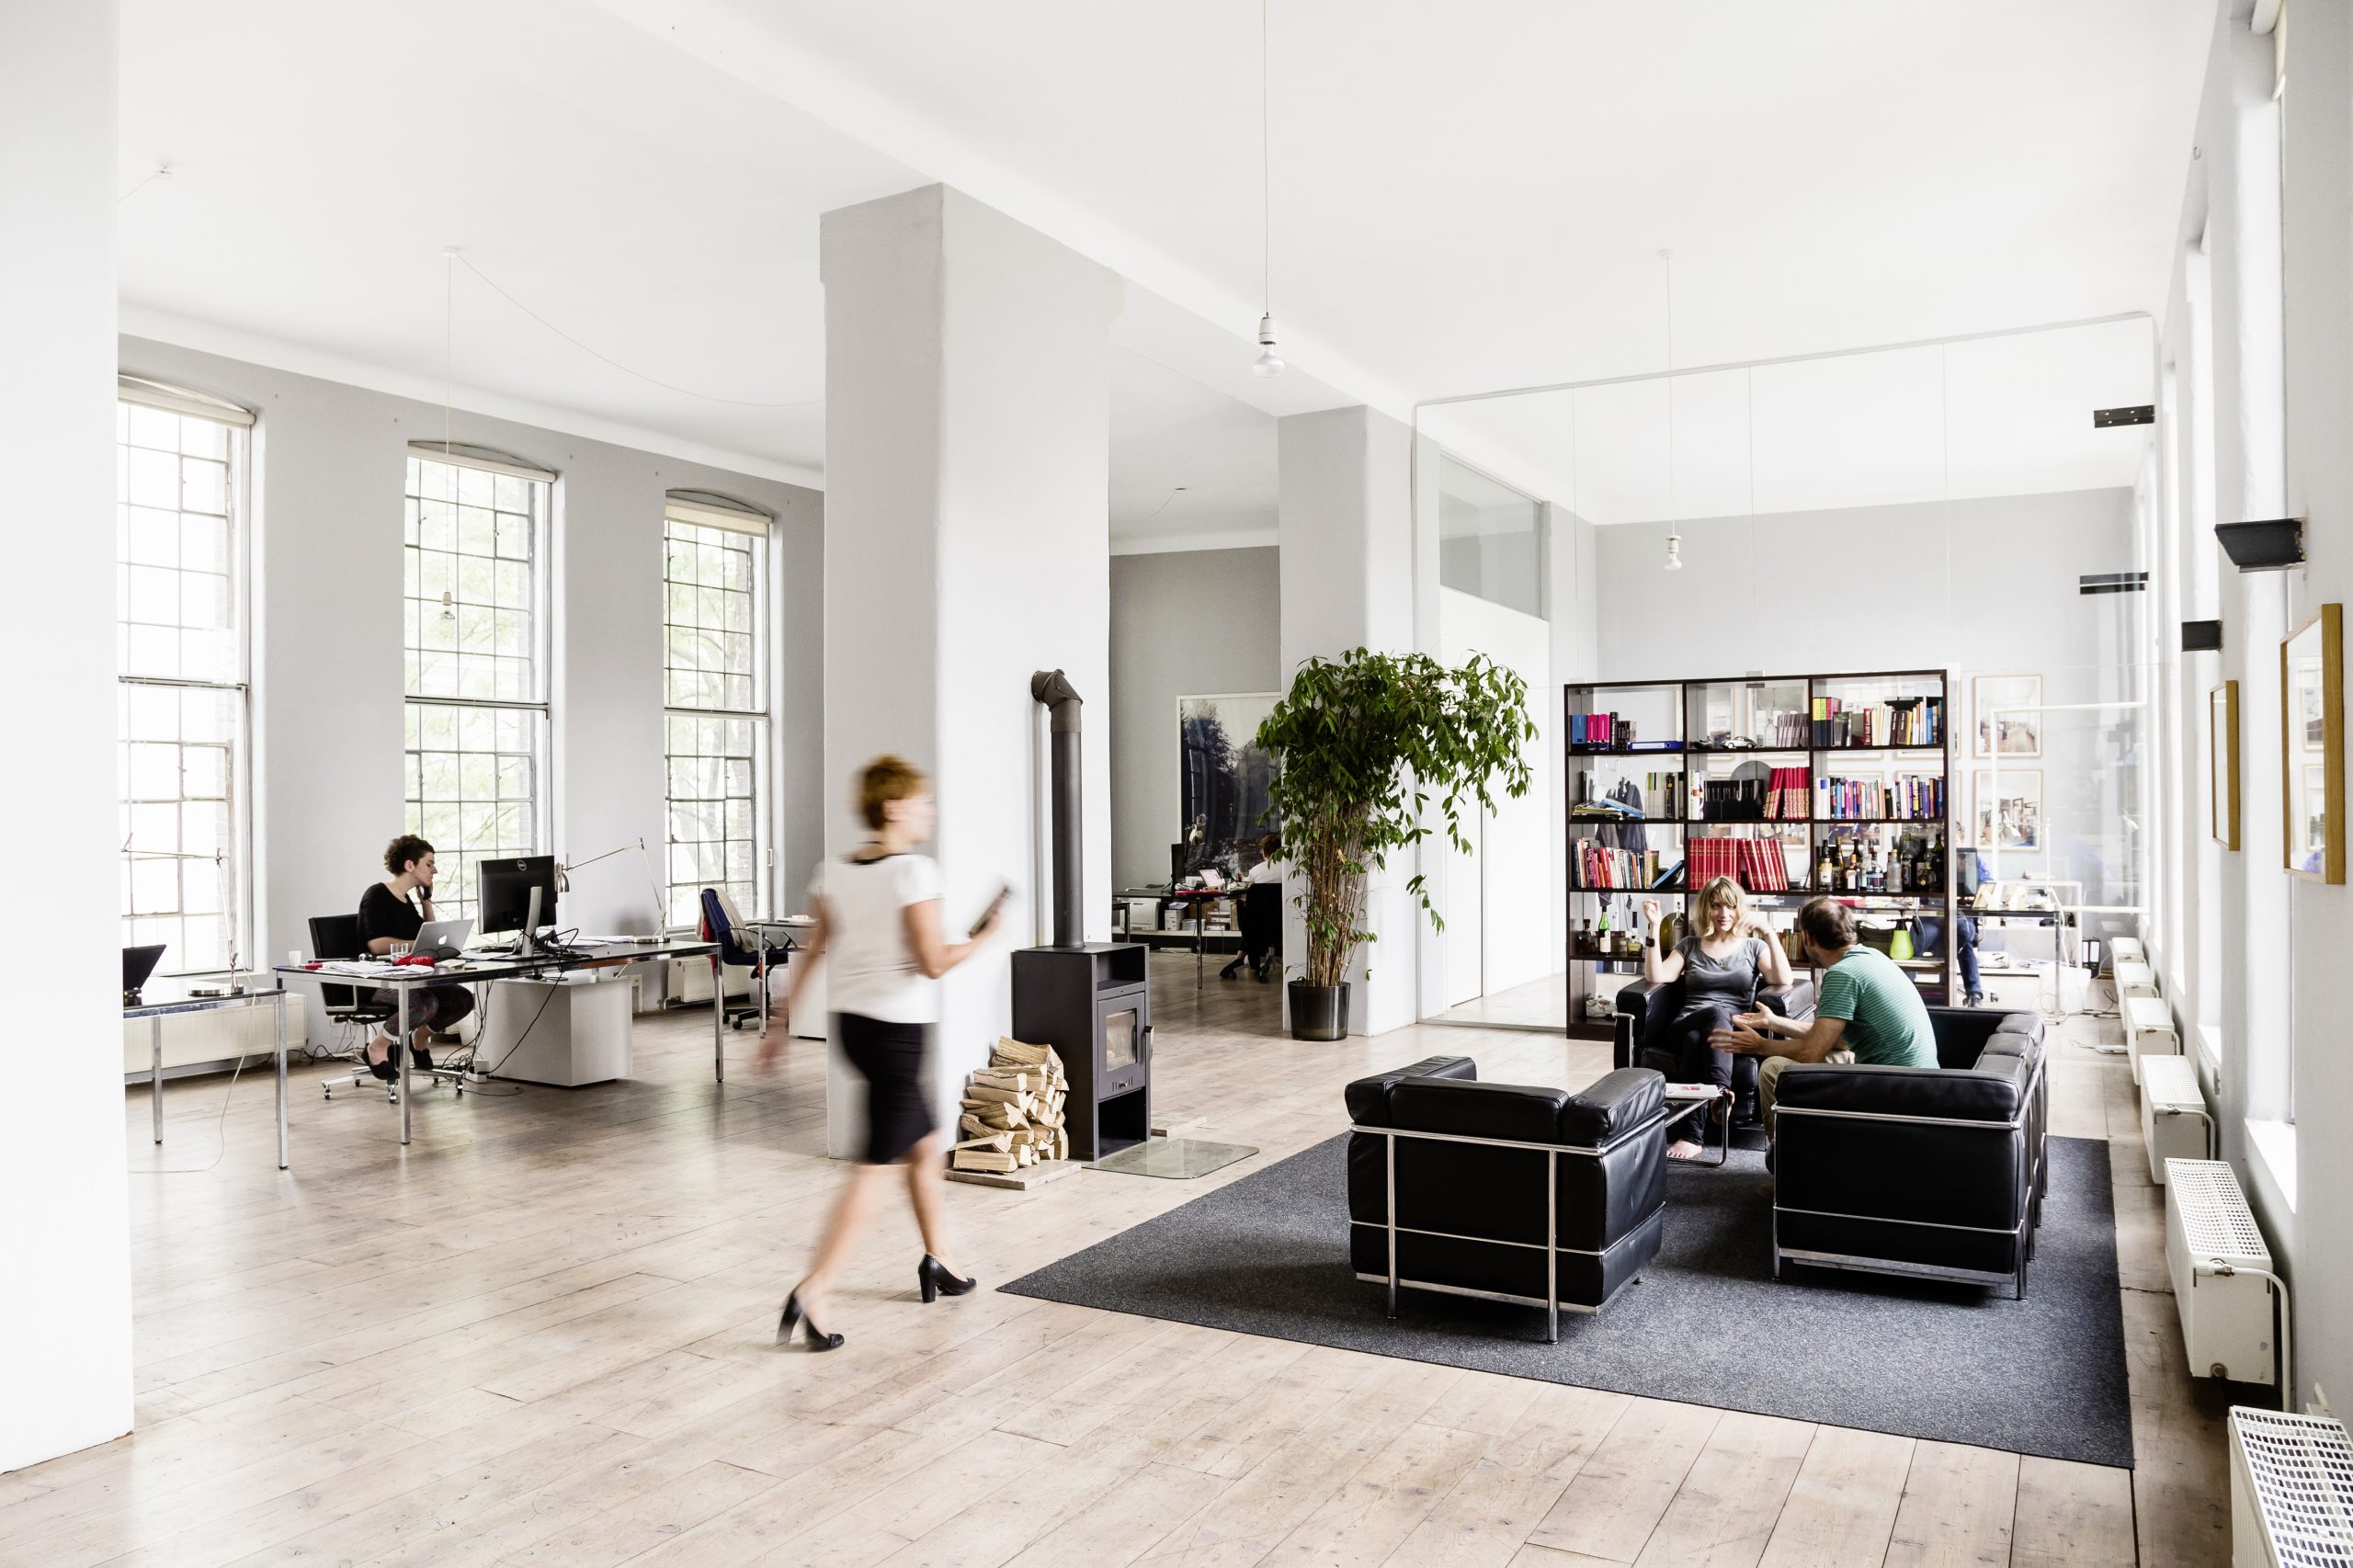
(171, 996)
(561, 1030)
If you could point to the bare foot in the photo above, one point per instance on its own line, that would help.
(1683, 1149)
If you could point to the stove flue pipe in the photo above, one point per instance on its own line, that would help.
(1053, 688)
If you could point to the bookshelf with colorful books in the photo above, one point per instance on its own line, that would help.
(1789, 785)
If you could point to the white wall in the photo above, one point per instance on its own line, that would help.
(329, 473)
(1351, 573)
(64, 1226)
(1515, 928)
(2253, 980)
(967, 470)
(1189, 623)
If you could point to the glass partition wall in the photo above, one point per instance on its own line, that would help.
(1872, 625)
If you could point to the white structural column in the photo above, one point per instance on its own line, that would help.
(967, 545)
(1345, 523)
(64, 1228)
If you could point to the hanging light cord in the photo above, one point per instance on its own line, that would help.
(607, 359)
(1668, 257)
(1266, 169)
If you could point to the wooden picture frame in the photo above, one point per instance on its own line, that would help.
(2023, 737)
(2223, 763)
(2312, 779)
(2022, 786)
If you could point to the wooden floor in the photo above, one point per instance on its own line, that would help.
(545, 1335)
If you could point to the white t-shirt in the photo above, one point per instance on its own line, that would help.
(870, 968)
(1264, 871)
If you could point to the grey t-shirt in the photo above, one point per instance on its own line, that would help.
(1726, 982)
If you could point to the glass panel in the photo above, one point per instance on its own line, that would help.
(1490, 539)
(473, 588)
(1118, 1039)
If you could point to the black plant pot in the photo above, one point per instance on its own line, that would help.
(1318, 1012)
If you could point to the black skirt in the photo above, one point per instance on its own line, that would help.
(889, 1058)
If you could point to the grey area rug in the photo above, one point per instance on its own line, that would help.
(1706, 1324)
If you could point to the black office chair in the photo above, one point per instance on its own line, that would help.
(737, 947)
(1262, 927)
(337, 937)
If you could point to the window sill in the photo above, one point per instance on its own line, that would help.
(2274, 1147)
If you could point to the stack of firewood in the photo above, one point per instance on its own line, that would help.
(1013, 1110)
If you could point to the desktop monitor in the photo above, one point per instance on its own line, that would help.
(505, 889)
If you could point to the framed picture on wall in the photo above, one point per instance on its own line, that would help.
(2312, 746)
(2005, 707)
(2223, 763)
(1226, 775)
(2013, 819)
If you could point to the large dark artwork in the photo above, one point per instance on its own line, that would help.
(1225, 776)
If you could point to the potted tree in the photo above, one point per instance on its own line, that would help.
(1363, 744)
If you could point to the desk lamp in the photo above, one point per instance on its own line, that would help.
(564, 880)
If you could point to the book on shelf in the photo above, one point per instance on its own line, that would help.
(1600, 868)
(1600, 732)
(1908, 797)
(1757, 864)
(1899, 721)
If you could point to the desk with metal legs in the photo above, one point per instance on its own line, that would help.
(174, 999)
(404, 982)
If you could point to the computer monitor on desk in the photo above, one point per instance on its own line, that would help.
(505, 889)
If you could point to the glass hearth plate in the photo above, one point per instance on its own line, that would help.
(1176, 1159)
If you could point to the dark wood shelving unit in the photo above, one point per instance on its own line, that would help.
(1692, 758)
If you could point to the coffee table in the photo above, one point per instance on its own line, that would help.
(1685, 1101)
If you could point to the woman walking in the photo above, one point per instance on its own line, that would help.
(877, 912)
(1728, 956)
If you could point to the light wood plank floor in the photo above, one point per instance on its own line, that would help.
(544, 1336)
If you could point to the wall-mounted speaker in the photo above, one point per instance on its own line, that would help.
(2272, 545)
(2201, 636)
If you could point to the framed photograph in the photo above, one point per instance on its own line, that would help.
(2013, 821)
(1225, 778)
(2002, 705)
(2223, 763)
(2312, 746)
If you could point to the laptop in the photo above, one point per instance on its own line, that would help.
(138, 963)
(439, 939)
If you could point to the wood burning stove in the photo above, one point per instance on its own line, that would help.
(1090, 1001)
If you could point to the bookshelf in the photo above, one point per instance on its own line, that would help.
(1863, 810)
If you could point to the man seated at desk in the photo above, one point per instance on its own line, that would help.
(1867, 1010)
(392, 910)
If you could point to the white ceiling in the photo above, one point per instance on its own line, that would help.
(1465, 196)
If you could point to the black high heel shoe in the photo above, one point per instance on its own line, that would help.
(933, 1276)
(794, 1313)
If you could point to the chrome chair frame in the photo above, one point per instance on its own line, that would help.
(1552, 1249)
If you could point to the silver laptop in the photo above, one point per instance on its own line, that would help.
(439, 939)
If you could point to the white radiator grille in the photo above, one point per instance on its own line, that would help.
(2292, 1481)
(2171, 1084)
(2216, 1224)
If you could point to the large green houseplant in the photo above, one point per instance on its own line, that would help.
(1363, 744)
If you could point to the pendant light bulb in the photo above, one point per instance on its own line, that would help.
(1674, 552)
(1268, 363)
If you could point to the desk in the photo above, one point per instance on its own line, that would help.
(173, 998)
(403, 982)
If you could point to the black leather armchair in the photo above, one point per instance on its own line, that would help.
(1937, 1172)
(1645, 1011)
(1458, 1186)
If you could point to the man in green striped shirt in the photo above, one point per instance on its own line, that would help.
(1867, 1009)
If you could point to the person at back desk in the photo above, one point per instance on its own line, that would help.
(395, 910)
(1868, 1009)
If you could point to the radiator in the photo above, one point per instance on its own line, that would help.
(2134, 978)
(2173, 1122)
(2291, 1491)
(2223, 1283)
(2148, 1031)
(2120, 948)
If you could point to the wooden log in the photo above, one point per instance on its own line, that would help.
(1002, 1097)
(1002, 1143)
(984, 1160)
(1022, 1051)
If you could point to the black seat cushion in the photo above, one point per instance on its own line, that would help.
(1367, 1099)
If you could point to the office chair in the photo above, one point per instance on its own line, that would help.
(337, 937)
(721, 924)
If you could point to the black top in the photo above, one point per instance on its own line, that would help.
(384, 914)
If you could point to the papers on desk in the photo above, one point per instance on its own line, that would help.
(370, 968)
